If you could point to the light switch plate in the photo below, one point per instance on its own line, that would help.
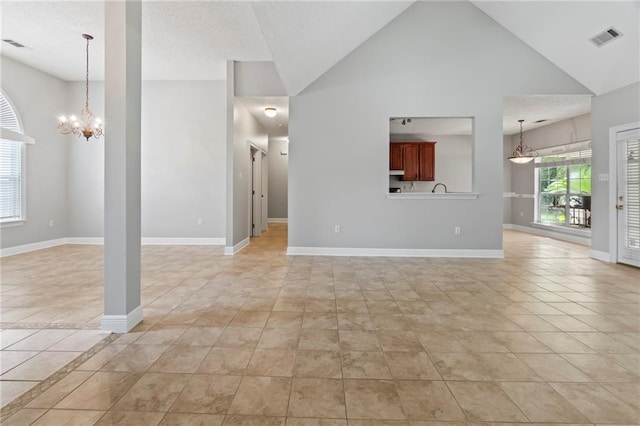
(603, 177)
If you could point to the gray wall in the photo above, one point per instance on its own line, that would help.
(183, 162)
(258, 78)
(38, 97)
(576, 129)
(339, 130)
(612, 109)
(506, 178)
(246, 130)
(278, 178)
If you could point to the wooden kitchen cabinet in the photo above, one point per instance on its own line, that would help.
(396, 157)
(417, 159)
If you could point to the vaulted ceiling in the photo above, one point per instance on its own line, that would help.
(192, 40)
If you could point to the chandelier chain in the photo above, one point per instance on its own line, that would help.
(86, 87)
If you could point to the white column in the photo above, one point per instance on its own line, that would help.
(122, 295)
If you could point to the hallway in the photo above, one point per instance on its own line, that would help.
(545, 335)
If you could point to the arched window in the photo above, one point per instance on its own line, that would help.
(12, 159)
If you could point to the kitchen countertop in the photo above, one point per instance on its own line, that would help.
(411, 195)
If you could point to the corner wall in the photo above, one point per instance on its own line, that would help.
(278, 178)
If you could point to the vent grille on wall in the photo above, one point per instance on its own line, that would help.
(605, 37)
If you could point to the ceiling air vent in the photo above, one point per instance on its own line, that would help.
(605, 37)
(14, 43)
(540, 121)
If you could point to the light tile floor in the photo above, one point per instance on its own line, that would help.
(546, 335)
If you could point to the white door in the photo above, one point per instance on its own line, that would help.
(265, 192)
(256, 193)
(628, 197)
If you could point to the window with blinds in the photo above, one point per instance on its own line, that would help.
(563, 186)
(11, 164)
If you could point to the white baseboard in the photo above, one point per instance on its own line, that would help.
(383, 252)
(121, 323)
(600, 255)
(278, 220)
(86, 240)
(585, 241)
(235, 249)
(183, 241)
(26, 248)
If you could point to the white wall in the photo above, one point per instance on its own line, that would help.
(453, 164)
(278, 178)
(612, 109)
(246, 130)
(339, 127)
(39, 98)
(183, 162)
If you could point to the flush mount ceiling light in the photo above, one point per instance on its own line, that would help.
(86, 125)
(522, 154)
(270, 112)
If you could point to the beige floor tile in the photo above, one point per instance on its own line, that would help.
(200, 336)
(552, 367)
(532, 322)
(439, 339)
(601, 368)
(129, 418)
(485, 401)
(561, 342)
(60, 390)
(285, 320)
(279, 338)
(507, 366)
(272, 362)
(232, 361)
(250, 319)
(567, 323)
(602, 343)
(236, 420)
(207, 394)
(322, 340)
(153, 392)
(135, 358)
(262, 396)
(317, 398)
(321, 321)
(237, 337)
(10, 359)
(99, 392)
(428, 401)
(626, 392)
(161, 335)
(69, 418)
(192, 420)
(98, 361)
(10, 390)
(546, 406)
(41, 340)
(9, 337)
(373, 422)
(180, 359)
(40, 366)
(26, 416)
(81, 340)
(399, 341)
(348, 321)
(480, 341)
(598, 405)
(364, 365)
(373, 399)
(216, 318)
(359, 341)
(520, 342)
(294, 421)
(460, 366)
(319, 364)
(411, 366)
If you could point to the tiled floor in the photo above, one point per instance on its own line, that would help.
(546, 335)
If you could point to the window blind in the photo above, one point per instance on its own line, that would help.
(11, 152)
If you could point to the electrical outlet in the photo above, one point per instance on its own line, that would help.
(199, 221)
(51, 223)
(603, 177)
(337, 228)
(457, 230)
(521, 214)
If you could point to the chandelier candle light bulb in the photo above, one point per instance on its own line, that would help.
(86, 125)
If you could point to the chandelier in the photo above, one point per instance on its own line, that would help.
(85, 125)
(522, 154)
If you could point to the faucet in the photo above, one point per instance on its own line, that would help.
(438, 184)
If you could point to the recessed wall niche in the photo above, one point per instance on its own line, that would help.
(427, 151)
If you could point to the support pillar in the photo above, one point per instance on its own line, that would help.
(122, 230)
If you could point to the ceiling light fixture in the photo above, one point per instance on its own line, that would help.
(522, 154)
(270, 112)
(86, 125)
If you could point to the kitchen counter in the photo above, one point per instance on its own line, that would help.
(433, 196)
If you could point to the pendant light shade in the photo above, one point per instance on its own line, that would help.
(523, 153)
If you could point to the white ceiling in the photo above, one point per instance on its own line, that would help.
(431, 126)
(552, 108)
(192, 40)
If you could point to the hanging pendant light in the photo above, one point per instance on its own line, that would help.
(523, 153)
(85, 125)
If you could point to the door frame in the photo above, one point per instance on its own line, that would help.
(613, 186)
(258, 150)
